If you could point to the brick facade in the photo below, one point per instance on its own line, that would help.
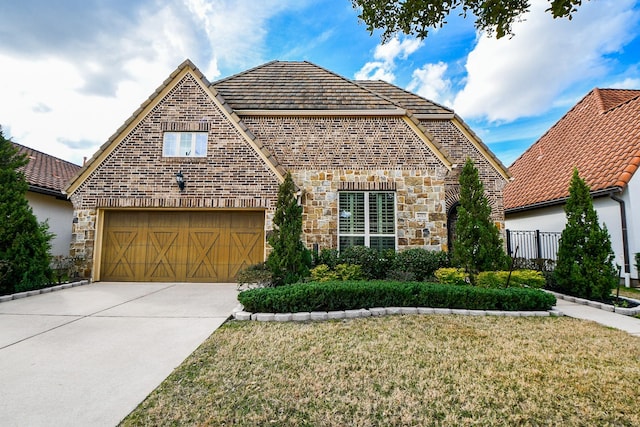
(135, 175)
(326, 154)
(460, 148)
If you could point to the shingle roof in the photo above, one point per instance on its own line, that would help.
(600, 136)
(415, 103)
(45, 172)
(284, 85)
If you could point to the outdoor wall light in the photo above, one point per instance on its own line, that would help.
(180, 180)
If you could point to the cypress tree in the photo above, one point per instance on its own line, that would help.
(24, 243)
(477, 245)
(289, 260)
(585, 259)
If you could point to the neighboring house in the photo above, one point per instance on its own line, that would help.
(600, 136)
(47, 177)
(375, 165)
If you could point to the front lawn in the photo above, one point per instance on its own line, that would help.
(404, 371)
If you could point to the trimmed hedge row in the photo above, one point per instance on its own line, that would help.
(331, 296)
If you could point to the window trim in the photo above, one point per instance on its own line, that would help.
(194, 142)
(367, 219)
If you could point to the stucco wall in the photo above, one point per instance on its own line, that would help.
(554, 219)
(59, 214)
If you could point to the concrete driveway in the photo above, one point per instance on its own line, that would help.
(87, 356)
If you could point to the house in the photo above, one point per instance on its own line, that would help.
(600, 136)
(186, 189)
(47, 176)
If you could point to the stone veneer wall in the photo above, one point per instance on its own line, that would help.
(420, 200)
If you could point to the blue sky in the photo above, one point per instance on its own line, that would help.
(72, 71)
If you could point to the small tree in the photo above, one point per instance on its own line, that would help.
(585, 258)
(477, 245)
(24, 243)
(289, 260)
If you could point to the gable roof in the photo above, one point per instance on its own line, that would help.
(424, 109)
(187, 67)
(296, 89)
(600, 136)
(290, 85)
(45, 173)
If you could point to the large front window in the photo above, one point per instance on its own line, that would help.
(184, 144)
(367, 219)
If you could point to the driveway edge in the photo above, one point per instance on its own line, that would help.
(19, 295)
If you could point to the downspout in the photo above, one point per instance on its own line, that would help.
(625, 239)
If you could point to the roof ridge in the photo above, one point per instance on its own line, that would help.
(45, 154)
(633, 98)
(557, 123)
(224, 79)
(354, 83)
(408, 92)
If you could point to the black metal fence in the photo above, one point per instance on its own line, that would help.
(533, 244)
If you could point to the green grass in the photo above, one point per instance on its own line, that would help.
(404, 371)
(628, 292)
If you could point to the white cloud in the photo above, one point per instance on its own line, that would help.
(386, 56)
(628, 83)
(430, 82)
(65, 94)
(521, 76)
(236, 29)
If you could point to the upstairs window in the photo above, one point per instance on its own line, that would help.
(367, 219)
(184, 144)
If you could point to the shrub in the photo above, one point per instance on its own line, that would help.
(322, 273)
(451, 276)
(289, 261)
(375, 264)
(24, 242)
(330, 296)
(638, 261)
(256, 275)
(421, 262)
(519, 279)
(477, 245)
(349, 271)
(585, 258)
(328, 257)
(401, 276)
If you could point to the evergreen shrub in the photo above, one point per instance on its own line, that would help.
(351, 295)
(374, 263)
(519, 279)
(585, 259)
(420, 262)
(451, 276)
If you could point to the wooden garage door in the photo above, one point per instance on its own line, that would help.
(152, 246)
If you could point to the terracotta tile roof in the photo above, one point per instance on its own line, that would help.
(600, 136)
(412, 102)
(46, 173)
(284, 85)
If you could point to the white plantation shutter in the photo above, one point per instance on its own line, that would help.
(367, 219)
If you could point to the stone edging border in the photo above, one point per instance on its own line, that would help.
(238, 314)
(602, 306)
(5, 298)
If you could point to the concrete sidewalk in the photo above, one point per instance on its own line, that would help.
(603, 317)
(87, 356)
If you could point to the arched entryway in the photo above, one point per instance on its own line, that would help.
(452, 219)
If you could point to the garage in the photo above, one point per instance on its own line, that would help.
(180, 246)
